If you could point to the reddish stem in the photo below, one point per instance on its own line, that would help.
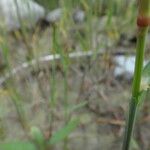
(143, 21)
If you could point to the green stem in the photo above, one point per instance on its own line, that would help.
(136, 87)
(139, 61)
(130, 124)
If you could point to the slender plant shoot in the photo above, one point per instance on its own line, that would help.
(143, 21)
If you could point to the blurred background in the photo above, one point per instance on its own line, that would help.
(66, 69)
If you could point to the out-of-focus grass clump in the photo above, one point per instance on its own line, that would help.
(45, 101)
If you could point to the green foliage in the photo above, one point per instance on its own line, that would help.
(39, 140)
(145, 83)
(134, 144)
(64, 132)
(76, 107)
(141, 77)
(84, 36)
(146, 70)
(144, 8)
(49, 4)
(17, 145)
(38, 137)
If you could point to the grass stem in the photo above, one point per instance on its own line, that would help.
(136, 86)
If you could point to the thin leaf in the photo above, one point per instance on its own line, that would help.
(64, 132)
(78, 106)
(141, 97)
(145, 81)
(38, 137)
(134, 144)
(146, 70)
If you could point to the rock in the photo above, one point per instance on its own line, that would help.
(78, 16)
(125, 66)
(54, 16)
(29, 13)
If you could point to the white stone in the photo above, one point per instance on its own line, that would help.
(54, 16)
(29, 13)
(125, 66)
(79, 16)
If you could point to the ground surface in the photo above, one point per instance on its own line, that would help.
(104, 98)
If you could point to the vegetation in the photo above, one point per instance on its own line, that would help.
(58, 89)
(137, 92)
